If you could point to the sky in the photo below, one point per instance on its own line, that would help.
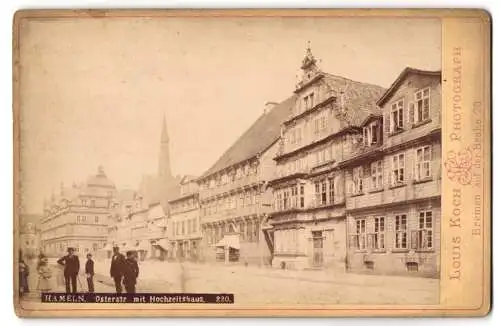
(94, 91)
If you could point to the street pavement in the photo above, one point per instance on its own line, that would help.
(256, 285)
(253, 285)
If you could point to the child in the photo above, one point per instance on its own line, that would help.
(89, 272)
(45, 275)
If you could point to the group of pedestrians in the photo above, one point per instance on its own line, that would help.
(124, 271)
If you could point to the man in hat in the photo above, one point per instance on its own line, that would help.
(131, 272)
(89, 272)
(71, 269)
(116, 269)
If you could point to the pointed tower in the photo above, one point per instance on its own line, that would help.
(309, 67)
(164, 170)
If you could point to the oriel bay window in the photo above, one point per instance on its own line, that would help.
(289, 197)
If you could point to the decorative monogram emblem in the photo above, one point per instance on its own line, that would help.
(459, 166)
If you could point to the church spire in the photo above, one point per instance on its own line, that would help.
(164, 159)
(164, 132)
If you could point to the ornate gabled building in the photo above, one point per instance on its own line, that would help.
(234, 198)
(78, 216)
(308, 221)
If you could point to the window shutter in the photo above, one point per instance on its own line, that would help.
(411, 113)
(387, 123)
(414, 240)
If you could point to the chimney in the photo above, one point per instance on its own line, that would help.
(269, 106)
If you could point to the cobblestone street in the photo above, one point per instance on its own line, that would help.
(254, 285)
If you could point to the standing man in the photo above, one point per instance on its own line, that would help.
(89, 272)
(131, 272)
(116, 270)
(71, 269)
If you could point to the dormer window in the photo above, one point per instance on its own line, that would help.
(371, 133)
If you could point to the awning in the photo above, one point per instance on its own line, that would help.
(231, 241)
(162, 243)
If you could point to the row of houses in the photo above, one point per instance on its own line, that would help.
(342, 174)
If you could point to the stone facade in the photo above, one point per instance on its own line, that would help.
(78, 217)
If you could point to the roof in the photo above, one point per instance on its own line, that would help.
(100, 180)
(259, 137)
(188, 178)
(357, 100)
(402, 76)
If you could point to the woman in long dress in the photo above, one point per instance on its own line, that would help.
(45, 276)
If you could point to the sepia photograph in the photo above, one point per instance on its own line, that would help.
(266, 160)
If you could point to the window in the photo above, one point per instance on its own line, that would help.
(78, 219)
(421, 107)
(396, 123)
(183, 227)
(424, 237)
(309, 101)
(96, 219)
(84, 202)
(357, 179)
(398, 169)
(377, 175)
(331, 186)
(84, 219)
(279, 203)
(323, 192)
(371, 134)
(379, 235)
(401, 231)
(317, 192)
(302, 200)
(92, 203)
(293, 199)
(361, 234)
(423, 163)
(316, 126)
(285, 199)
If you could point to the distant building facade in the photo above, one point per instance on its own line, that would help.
(77, 217)
(29, 235)
(394, 194)
(140, 217)
(184, 222)
(234, 198)
(309, 217)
